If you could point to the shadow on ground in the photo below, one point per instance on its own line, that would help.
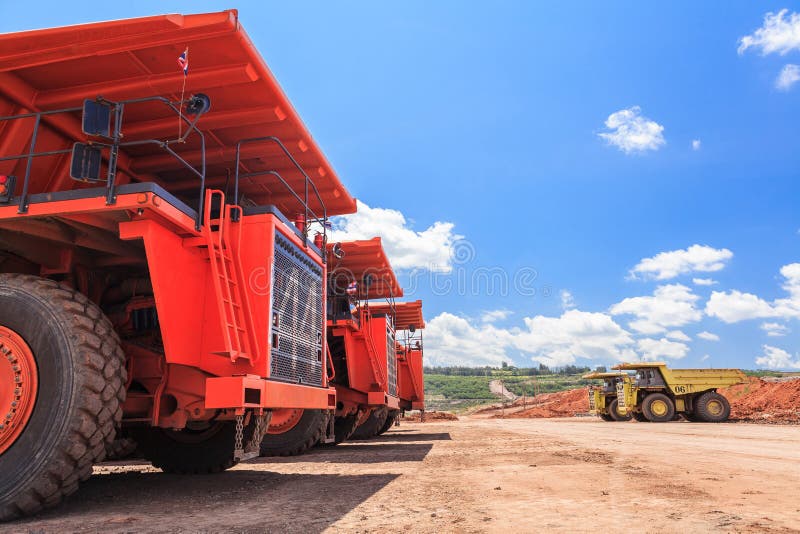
(360, 452)
(240, 500)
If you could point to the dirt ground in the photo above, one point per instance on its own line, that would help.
(472, 475)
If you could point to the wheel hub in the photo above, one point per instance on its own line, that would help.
(18, 386)
(284, 420)
(659, 408)
(714, 407)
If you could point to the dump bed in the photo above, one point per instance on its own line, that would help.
(685, 381)
(57, 68)
(357, 262)
(407, 315)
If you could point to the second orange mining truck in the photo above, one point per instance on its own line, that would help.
(157, 275)
(361, 353)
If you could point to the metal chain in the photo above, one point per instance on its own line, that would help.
(239, 433)
(261, 427)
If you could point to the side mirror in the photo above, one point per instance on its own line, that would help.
(337, 251)
(96, 118)
(85, 162)
(412, 328)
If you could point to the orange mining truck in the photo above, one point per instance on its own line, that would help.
(157, 276)
(361, 356)
(410, 383)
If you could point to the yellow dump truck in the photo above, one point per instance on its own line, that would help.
(603, 398)
(657, 393)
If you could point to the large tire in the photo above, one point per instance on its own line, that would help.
(207, 448)
(390, 419)
(80, 370)
(299, 438)
(615, 415)
(711, 407)
(343, 428)
(606, 417)
(658, 408)
(639, 416)
(121, 449)
(369, 428)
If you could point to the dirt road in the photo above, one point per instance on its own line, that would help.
(520, 475)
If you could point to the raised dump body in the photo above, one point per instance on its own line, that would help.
(658, 393)
(603, 398)
(158, 276)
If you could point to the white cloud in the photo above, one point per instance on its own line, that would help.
(452, 340)
(704, 281)
(696, 258)
(670, 306)
(631, 132)
(657, 349)
(567, 300)
(495, 315)
(708, 336)
(704, 358)
(775, 358)
(576, 334)
(696, 144)
(735, 306)
(790, 75)
(407, 248)
(774, 329)
(778, 34)
(554, 341)
(677, 335)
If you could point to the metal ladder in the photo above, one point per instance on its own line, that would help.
(235, 315)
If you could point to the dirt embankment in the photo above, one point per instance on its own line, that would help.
(765, 401)
(757, 400)
(430, 417)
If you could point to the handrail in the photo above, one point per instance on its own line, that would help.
(307, 180)
(113, 146)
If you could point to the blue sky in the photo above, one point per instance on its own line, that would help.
(479, 124)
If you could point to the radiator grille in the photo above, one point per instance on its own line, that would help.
(296, 325)
(391, 361)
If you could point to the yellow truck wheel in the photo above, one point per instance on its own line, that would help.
(614, 412)
(711, 407)
(658, 408)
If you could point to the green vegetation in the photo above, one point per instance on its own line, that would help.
(459, 388)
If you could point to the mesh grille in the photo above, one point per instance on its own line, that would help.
(391, 363)
(297, 315)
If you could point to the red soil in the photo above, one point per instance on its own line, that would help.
(765, 401)
(430, 416)
(559, 404)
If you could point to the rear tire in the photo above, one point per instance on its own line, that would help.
(711, 407)
(343, 428)
(369, 428)
(390, 419)
(639, 416)
(658, 408)
(299, 438)
(80, 369)
(615, 415)
(606, 417)
(191, 451)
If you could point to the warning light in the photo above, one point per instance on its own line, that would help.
(7, 184)
(3, 179)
